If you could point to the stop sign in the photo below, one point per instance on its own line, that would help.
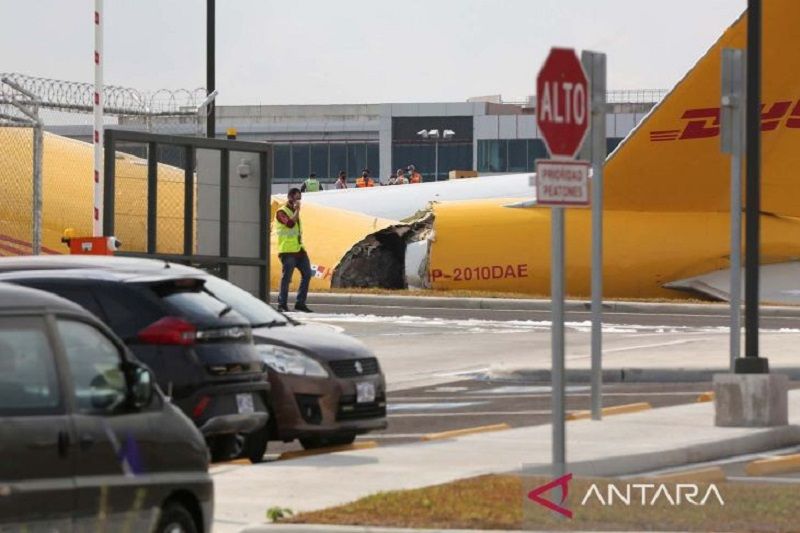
(562, 102)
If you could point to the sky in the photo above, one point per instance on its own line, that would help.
(357, 51)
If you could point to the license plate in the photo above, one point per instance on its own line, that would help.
(365, 392)
(245, 403)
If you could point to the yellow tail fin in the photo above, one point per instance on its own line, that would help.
(672, 160)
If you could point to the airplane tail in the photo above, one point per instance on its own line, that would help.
(672, 160)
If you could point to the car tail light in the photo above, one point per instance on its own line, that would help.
(169, 330)
(201, 406)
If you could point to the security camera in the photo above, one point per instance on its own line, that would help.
(243, 169)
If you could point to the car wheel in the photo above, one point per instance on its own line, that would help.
(342, 439)
(175, 519)
(223, 447)
(255, 445)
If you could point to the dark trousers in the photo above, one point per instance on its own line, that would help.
(290, 262)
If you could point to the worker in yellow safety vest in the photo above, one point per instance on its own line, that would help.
(365, 180)
(292, 253)
(311, 184)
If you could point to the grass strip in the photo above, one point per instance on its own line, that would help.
(496, 502)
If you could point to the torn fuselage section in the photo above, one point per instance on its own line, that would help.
(393, 258)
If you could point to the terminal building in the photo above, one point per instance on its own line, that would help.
(485, 134)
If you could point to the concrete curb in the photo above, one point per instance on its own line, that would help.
(511, 304)
(319, 528)
(623, 375)
(633, 464)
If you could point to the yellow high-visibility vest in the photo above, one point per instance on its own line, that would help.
(290, 240)
(312, 185)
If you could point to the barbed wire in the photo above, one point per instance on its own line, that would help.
(73, 96)
(618, 96)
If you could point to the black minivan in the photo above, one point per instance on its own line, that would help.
(200, 349)
(87, 440)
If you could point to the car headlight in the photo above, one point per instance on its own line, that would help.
(290, 361)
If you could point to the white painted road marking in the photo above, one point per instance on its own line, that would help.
(429, 406)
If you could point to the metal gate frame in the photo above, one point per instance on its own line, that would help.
(190, 146)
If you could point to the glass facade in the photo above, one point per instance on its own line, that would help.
(409, 148)
(293, 162)
(517, 155)
(452, 156)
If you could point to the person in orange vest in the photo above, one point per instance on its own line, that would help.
(365, 180)
(413, 175)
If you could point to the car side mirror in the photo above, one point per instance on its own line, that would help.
(140, 386)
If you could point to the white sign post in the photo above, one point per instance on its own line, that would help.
(732, 121)
(595, 151)
(562, 115)
(560, 183)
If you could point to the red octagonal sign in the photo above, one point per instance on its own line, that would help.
(562, 102)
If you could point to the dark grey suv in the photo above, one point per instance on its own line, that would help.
(88, 442)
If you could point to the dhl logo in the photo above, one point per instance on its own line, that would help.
(704, 122)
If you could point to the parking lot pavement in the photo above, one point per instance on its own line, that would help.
(464, 404)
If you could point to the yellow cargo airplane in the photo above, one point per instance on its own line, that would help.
(667, 195)
(666, 201)
(67, 195)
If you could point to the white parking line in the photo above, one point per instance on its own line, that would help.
(429, 406)
(637, 347)
(482, 413)
(536, 395)
(372, 436)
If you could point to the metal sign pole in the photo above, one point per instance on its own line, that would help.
(557, 340)
(732, 141)
(561, 85)
(595, 65)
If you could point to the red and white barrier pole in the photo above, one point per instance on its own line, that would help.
(97, 216)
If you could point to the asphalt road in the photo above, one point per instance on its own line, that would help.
(463, 404)
(439, 363)
(687, 319)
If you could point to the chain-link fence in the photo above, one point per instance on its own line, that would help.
(61, 113)
(21, 155)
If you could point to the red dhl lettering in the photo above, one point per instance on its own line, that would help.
(704, 122)
(480, 273)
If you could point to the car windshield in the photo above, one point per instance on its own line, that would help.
(244, 303)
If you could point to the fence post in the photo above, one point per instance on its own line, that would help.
(38, 147)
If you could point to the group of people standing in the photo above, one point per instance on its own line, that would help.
(400, 177)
